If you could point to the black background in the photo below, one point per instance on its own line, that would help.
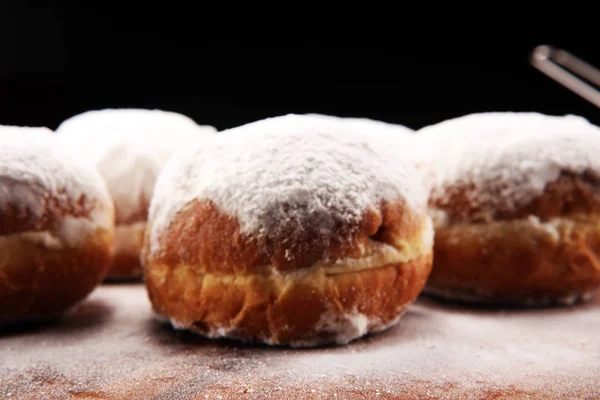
(60, 61)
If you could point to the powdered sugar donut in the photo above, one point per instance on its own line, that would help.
(56, 226)
(129, 148)
(361, 124)
(516, 204)
(294, 230)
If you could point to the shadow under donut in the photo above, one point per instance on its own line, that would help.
(87, 315)
(437, 302)
(409, 327)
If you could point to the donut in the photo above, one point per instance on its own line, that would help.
(296, 230)
(129, 147)
(56, 227)
(515, 200)
(358, 124)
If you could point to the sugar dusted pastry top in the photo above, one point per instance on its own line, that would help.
(503, 160)
(359, 124)
(129, 147)
(279, 171)
(44, 189)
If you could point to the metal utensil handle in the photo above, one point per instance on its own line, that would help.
(556, 63)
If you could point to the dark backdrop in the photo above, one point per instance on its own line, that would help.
(59, 61)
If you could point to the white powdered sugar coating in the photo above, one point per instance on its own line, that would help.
(507, 157)
(285, 170)
(343, 328)
(32, 165)
(357, 124)
(346, 327)
(129, 148)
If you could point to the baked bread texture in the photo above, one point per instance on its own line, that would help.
(296, 230)
(129, 147)
(515, 199)
(56, 227)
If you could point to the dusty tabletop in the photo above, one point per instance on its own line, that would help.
(112, 348)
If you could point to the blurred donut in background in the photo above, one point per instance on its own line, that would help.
(129, 148)
(56, 227)
(515, 200)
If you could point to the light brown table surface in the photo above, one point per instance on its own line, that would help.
(111, 348)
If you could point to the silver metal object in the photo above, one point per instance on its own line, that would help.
(562, 66)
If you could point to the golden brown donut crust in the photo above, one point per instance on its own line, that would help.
(16, 215)
(517, 261)
(38, 282)
(140, 214)
(211, 240)
(284, 310)
(212, 278)
(569, 194)
(547, 252)
(125, 267)
(127, 245)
